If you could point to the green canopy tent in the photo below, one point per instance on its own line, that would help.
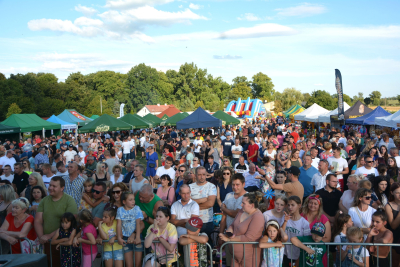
(226, 118)
(153, 119)
(73, 116)
(105, 123)
(137, 122)
(289, 109)
(95, 117)
(5, 129)
(174, 119)
(30, 123)
(165, 117)
(293, 110)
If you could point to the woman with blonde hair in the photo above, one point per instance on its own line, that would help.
(216, 151)
(368, 147)
(347, 198)
(328, 151)
(294, 159)
(360, 163)
(101, 174)
(312, 211)
(34, 179)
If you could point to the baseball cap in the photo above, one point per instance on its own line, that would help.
(352, 152)
(228, 133)
(194, 224)
(70, 146)
(293, 170)
(318, 229)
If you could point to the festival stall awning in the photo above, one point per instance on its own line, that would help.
(327, 117)
(93, 117)
(286, 111)
(311, 114)
(392, 121)
(174, 119)
(73, 116)
(5, 129)
(300, 110)
(226, 118)
(137, 122)
(369, 119)
(64, 124)
(357, 110)
(30, 123)
(153, 119)
(105, 123)
(199, 119)
(294, 110)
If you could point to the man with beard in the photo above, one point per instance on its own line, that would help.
(330, 196)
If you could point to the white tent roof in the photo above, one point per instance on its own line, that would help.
(311, 114)
(327, 117)
(389, 121)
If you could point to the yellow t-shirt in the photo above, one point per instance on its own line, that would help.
(111, 231)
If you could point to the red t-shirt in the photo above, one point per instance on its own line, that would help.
(252, 149)
(295, 136)
(16, 249)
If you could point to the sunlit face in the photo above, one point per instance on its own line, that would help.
(280, 178)
(313, 205)
(272, 232)
(377, 223)
(296, 154)
(293, 207)
(129, 202)
(185, 194)
(117, 172)
(65, 224)
(382, 186)
(160, 217)
(350, 223)
(366, 199)
(279, 205)
(32, 180)
(17, 210)
(116, 192)
(246, 206)
(237, 186)
(201, 176)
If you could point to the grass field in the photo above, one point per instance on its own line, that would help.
(389, 108)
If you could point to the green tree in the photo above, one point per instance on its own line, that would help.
(278, 106)
(186, 105)
(289, 97)
(13, 109)
(368, 101)
(241, 90)
(322, 98)
(375, 97)
(262, 87)
(359, 97)
(398, 98)
(306, 96)
(346, 99)
(2, 77)
(199, 104)
(115, 110)
(94, 108)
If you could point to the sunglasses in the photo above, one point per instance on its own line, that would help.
(181, 170)
(117, 192)
(225, 161)
(368, 197)
(96, 192)
(369, 161)
(195, 160)
(227, 173)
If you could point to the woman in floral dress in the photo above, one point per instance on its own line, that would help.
(283, 157)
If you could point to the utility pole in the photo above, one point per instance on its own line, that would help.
(101, 106)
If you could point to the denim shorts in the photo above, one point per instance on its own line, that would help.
(118, 256)
(132, 247)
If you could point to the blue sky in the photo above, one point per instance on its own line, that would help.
(298, 44)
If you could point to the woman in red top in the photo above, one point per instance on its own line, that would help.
(17, 225)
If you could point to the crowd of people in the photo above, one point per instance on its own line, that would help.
(265, 181)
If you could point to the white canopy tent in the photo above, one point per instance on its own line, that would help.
(311, 114)
(389, 121)
(327, 117)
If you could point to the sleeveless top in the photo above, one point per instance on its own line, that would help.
(396, 232)
(295, 163)
(101, 179)
(148, 209)
(222, 194)
(136, 186)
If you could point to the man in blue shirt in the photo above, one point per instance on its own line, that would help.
(210, 167)
(307, 171)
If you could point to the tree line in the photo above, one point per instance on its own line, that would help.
(188, 88)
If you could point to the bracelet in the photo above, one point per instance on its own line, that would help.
(154, 231)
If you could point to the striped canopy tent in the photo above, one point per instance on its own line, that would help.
(298, 111)
(293, 110)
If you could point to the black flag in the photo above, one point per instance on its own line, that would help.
(339, 90)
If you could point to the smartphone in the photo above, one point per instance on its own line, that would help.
(229, 234)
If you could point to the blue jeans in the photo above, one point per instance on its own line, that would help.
(132, 155)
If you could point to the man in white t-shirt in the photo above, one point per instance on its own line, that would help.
(166, 169)
(183, 209)
(237, 150)
(142, 142)
(7, 174)
(69, 154)
(197, 145)
(81, 154)
(132, 147)
(61, 169)
(8, 159)
(338, 165)
(241, 166)
(314, 157)
(47, 174)
(318, 180)
(205, 194)
(367, 168)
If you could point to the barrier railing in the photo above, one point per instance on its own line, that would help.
(257, 249)
(19, 240)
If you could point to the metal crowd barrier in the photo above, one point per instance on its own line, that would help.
(19, 240)
(256, 248)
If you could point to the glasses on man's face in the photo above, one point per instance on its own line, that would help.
(369, 161)
(96, 192)
(117, 192)
(195, 160)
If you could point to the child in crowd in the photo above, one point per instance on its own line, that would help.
(194, 242)
(108, 231)
(296, 226)
(37, 195)
(342, 223)
(313, 253)
(278, 213)
(351, 255)
(128, 222)
(87, 200)
(272, 244)
(87, 237)
(379, 234)
(63, 238)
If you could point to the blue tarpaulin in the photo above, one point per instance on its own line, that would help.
(199, 119)
(369, 118)
(72, 116)
(64, 124)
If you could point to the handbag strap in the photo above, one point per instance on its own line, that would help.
(168, 193)
(359, 216)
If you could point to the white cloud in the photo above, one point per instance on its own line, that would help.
(227, 57)
(249, 17)
(62, 26)
(303, 10)
(149, 15)
(84, 21)
(87, 11)
(128, 4)
(261, 30)
(194, 6)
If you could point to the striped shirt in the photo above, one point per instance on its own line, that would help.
(74, 188)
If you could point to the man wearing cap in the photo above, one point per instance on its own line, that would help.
(227, 145)
(184, 209)
(69, 154)
(294, 188)
(194, 242)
